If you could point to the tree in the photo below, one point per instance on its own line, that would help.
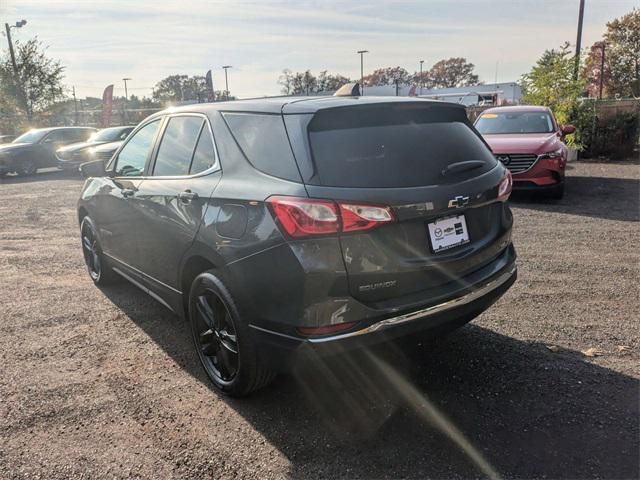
(40, 78)
(387, 76)
(306, 83)
(622, 40)
(593, 71)
(181, 88)
(452, 72)
(550, 83)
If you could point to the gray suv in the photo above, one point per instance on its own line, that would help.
(284, 224)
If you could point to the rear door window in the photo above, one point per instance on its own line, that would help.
(264, 142)
(177, 146)
(390, 146)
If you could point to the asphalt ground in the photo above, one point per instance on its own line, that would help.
(105, 383)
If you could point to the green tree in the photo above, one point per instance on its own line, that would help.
(39, 85)
(180, 88)
(450, 73)
(550, 83)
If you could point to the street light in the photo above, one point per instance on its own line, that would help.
(126, 93)
(361, 53)
(421, 62)
(226, 81)
(8, 28)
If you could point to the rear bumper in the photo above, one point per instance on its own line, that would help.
(281, 349)
(528, 186)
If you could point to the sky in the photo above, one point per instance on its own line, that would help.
(100, 42)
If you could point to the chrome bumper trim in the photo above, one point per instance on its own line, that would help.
(425, 312)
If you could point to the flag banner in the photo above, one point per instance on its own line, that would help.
(107, 106)
(209, 80)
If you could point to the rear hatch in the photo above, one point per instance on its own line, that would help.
(426, 162)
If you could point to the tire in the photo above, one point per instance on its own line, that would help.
(223, 341)
(97, 265)
(27, 168)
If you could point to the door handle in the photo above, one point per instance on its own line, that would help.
(128, 192)
(187, 196)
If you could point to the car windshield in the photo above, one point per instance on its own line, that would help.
(106, 135)
(32, 136)
(515, 122)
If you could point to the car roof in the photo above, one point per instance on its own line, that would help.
(297, 104)
(517, 108)
(52, 129)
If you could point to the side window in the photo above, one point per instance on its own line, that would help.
(133, 156)
(204, 157)
(177, 145)
(55, 137)
(264, 142)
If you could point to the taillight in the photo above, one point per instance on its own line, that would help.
(305, 217)
(506, 184)
(302, 217)
(363, 217)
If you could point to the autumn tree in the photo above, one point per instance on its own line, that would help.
(387, 76)
(593, 71)
(622, 54)
(39, 83)
(451, 72)
(306, 83)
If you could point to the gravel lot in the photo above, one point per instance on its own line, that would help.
(105, 383)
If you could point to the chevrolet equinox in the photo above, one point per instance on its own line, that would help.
(283, 224)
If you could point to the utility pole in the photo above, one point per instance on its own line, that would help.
(578, 41)
(16, 73)
(362, 52)
(75, 106)
(226, 81)
(421, 79)
(602, 45)
(125, 120)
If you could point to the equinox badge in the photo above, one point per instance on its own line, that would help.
(459, 202)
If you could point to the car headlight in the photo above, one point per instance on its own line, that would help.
(552, 154)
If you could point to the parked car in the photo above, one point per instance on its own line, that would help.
(286, 224)
(71, 156)
(36, 148)
(529, 142)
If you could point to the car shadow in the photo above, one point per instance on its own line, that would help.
(45, 174)
(475, 403)
(598, 197)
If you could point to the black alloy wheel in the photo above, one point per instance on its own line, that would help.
(216, 338)
(99, 271)
(223, 340)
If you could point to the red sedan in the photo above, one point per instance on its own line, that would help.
(530, 143)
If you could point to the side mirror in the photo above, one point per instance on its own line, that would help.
(93, 169)
(567, 129)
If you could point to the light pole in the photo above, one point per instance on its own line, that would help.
(361, 53)
(126, 93)
(16, 74)
(126, 99)
(421, 81)
(226, 81)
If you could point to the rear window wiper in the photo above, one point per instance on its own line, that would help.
(462, 166)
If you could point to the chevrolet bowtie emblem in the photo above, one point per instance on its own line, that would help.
(459, 202)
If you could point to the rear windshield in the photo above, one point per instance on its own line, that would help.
(404, 145)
